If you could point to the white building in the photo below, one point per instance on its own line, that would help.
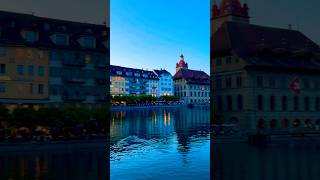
(165, 84)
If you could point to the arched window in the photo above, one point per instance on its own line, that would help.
(260, 124)
(273, 123)
(219, 103)
(285, 123)
(306, 103)
(229, 103)
(240, 102)
(260, 102)
(296, 103)
(272, 103)
(284, 103)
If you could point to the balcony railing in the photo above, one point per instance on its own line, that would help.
(67, 62)
(73, 80)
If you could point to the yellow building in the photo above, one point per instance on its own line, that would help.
(23, 75)
(117, 85)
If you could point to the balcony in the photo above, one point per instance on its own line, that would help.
(71, 63)
(74, 98)
(73, 80)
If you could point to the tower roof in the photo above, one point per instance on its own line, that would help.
(182, 63)
(230, 7)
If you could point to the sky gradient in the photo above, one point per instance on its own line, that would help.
(152, 34)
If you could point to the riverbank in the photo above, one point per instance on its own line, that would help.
(123, 108)
(54, 145)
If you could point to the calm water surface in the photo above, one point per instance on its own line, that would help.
(275, 161)
(171, 143)
(55, 165)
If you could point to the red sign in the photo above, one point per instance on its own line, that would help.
(295, 85)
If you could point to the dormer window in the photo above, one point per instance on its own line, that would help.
(119, 72)
(46, 26)
(63, 28)
(61, 39)
(87, 42)
(30, 36)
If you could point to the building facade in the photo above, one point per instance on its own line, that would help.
(266, 80)
(130, 81)
(165, 83)
(191, 86)
(52, 62)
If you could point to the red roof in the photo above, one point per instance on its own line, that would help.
(192, 76)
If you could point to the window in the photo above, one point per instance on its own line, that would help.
(284, 103)
(228, 60)
(272, 83)
(31, 88)
(229, 103)
(3, 51)
(317, 103)
(218, 83)
(2, 87)
(260, 82)
(239, 81)
(272, 103)
(30, 70)
(41, 71)
(61, 39)
(296, 103)
(219, 103)
(2, 69)
(240, 102)
(228, 82)
(41, 89)
(191, 93)
(219, 62)
(306, 103)
(306, 84)
(20, 70)
(30, 36)
(260, 102)
(88, 42)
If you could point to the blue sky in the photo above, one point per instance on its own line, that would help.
(151, 34)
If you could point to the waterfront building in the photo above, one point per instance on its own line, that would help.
(165, 83)
(52, 62)
(130, 81)
(265, 79)
(192, 86)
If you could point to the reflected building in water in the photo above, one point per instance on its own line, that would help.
(160, 123)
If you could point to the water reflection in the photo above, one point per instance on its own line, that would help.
(174, 141)
(73, 164)
(294, 161)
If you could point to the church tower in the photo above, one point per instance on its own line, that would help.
(229, 10)
(181, 64)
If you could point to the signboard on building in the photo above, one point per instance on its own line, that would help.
(295, 85)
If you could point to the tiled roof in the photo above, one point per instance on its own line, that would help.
(265, 46)
(12, 34)
(192, 76)
(130, 72)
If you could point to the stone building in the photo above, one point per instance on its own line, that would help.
(54, 62)
(264, 79)
(192, 86)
